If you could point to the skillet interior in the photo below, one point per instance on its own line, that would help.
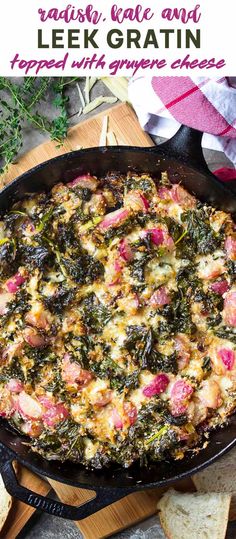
(99, 161)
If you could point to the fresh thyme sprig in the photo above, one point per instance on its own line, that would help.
(19, 106)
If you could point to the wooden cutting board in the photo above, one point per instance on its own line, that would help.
(135, 507)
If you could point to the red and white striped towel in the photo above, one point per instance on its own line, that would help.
(163, 103)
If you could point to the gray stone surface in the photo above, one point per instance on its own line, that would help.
(44, 526)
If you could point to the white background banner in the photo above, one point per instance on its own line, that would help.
(164, 37)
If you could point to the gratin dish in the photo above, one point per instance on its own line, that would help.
(182, 158)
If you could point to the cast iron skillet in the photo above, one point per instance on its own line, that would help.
(182, 157)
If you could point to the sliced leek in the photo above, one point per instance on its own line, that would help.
(103, 137)
(118, 86)
(97, 102)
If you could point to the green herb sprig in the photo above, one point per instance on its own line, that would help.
(19, 107)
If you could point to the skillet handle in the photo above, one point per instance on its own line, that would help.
(186, 146)
(103, 497)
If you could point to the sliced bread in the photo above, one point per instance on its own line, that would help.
(219, 477)
(5, 504)
(194, 515)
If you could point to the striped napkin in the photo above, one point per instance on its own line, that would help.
(164, 103)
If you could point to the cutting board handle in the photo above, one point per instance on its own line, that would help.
(186, 145)
(103, 498)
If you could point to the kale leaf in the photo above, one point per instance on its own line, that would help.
(203, 238)
(84, 269)
(60, 300)
(140, 343)
(178, 315)
(95, 315)
(35, 257)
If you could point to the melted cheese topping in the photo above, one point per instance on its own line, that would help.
(118, 319)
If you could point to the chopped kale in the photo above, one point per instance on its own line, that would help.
(108, 368)
(164, 444)
(11, 218)
(60, 300)
(13, 370)
(178, 421)
(80, 348)
(127, 226)
(66, 444)
(84, 193)
(84, 270)
(137, 267)
(174, 228)
(206, 364)
(122, 230)
(225, 332)
(140, 344)
(66, 238)
(186, 278)
(231, 266)
(144, 184)
(201, 235)
(7, 258)
(95, 315)
(44, 220)
(40, 357)
(19, 305)
(159, 362)
(212, 306)
(34, 257)
(178, 315)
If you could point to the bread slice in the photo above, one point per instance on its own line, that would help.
(5, 504)
(194, 515)
(219, 477)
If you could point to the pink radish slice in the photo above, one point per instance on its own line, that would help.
(131, 412)
(29, 407)
(14, 386)
(159, 237)
(156, 234)
(117, 266)
(228, 357)
(160, 298)
(178, 409)
(229, 313)
(181, 391)
(180, 196)
(182, 347)
(146, 203)
(230, 247)
(14, 283)
(136, 201)
(41, 320)
(164, 193)
(47, 402)
(85, 182)
(55, 414)
(220, 287)
(12, 350)
(125, 251)
(157, 386)
(34, 338)
(116, 419)
(72, 373)
(115, 218)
